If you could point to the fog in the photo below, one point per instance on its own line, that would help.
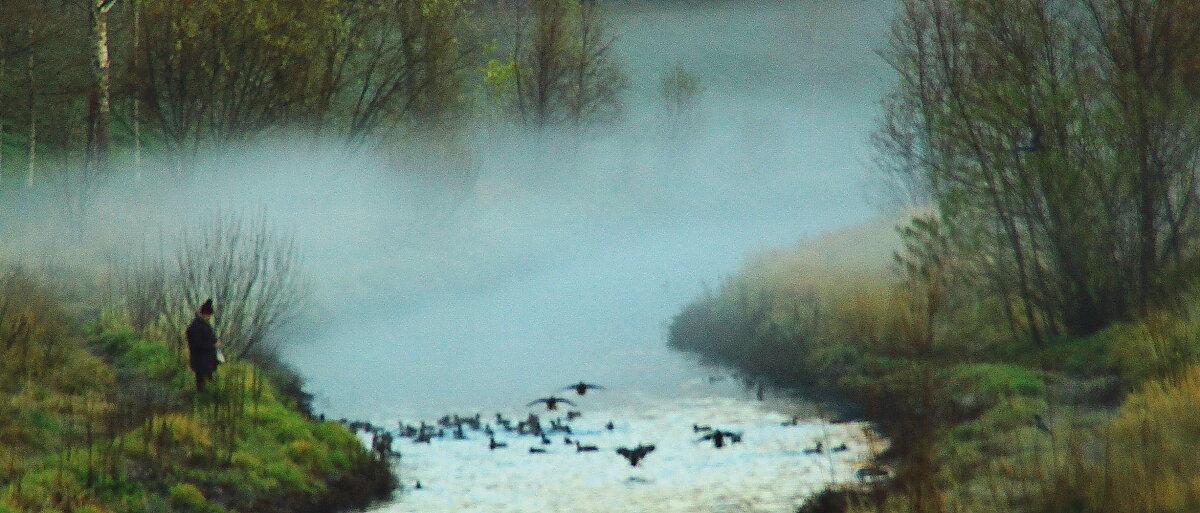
(482, 283)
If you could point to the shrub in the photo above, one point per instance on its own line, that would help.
(1158, 346)
(186, 496)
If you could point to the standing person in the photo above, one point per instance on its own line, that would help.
(202, 345)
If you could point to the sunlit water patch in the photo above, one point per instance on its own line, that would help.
(768, 471)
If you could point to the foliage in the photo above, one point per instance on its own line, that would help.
(1026, 124)
(123, 431)
(218, 71)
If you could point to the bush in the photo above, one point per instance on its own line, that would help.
(1158, 346)
(186, 496)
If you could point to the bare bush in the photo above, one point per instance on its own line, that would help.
(250, 270)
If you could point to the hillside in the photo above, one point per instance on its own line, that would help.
(98, 418)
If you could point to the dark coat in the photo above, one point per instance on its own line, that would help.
(202, 346)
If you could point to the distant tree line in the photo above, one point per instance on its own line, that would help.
(1059, 142)
(81, 80)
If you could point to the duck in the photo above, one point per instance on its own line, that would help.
(537, 450)
(585, 448)
(840, 448)
(581, 388)
(698, 428)
(609, 426)
(493, 444)
(574, 414)
(870, 473)
(717, 437)
(551, 402)
(814, 449)
(636, 454)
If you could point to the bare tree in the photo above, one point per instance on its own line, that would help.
(564, 69)
(250, 270)
(396, 63)
(1057, 145)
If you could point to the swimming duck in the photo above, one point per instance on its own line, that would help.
(717, 437)
(815, 449)
(551, 402)
(585, 448)
(537, 450)
(840, 448)
(581, 388)
(493, 444)
(870, 473)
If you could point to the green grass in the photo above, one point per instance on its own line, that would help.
(107, 421)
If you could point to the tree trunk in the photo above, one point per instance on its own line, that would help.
(137, 103)
(32, 97)
(97, 149)
(3, 65)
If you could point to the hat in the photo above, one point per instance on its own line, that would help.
(207, 308)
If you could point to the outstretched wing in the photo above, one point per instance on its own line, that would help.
(543, 400)
(706, 437)
(566, 401)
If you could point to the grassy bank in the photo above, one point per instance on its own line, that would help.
(980, 419)
(97, 418)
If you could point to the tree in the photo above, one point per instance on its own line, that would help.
(1058, 144)
(100, 101)
(223, 71)
(250, 270)
(395, 63)
(564, 68)
(679, 90)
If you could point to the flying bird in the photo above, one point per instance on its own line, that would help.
(636, 454)
(551, 402)
(581, 388)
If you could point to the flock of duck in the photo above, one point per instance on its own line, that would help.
(474, 427)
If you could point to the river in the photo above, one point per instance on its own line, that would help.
(558, 268)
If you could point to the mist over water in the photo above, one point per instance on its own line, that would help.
(480, 284)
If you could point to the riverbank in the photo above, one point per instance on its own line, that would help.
(979, 420)
(97, 418)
